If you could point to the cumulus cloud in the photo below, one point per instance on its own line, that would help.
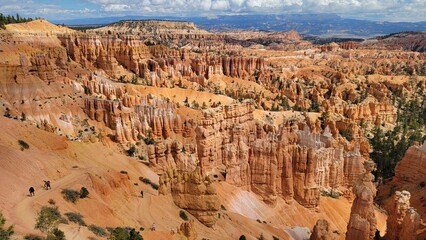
(116, 7)
(388, 10)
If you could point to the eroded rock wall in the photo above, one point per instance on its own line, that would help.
(193, 192)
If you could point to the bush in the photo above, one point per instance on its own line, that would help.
(84, 193)
(183, 215)
(70, 195)
(98, 231)
(123, 172)
(119, 233)
(242, 237)
(332, 194)
(275, 238)
(33, 237)
(154, 186)
(23, 145)
(422, 184)
(51, 202)
(5, 233)
(48, 218)
(75, 218)
(145, 180)
(56, 235)
(148, 181)
(131, 151)
(149, 141)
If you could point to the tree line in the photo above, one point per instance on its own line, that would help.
(7, 19)
(389, 147)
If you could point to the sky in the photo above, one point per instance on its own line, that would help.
(377, 10)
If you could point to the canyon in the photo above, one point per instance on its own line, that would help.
(206, 124)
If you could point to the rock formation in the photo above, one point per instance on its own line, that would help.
(288, 162)
(412, 168)
(406, 206)
(188, 230)
(322, 231)
(192, 192)
(362, 223)
(403, 221)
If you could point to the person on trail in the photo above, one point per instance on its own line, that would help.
(32, 191)
(142, 193)
(153, 227)
(47, 185)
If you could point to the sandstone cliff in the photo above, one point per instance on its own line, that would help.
(363, 223)
(288, 162)
(192, 192)
(322, 231)
(403, 221)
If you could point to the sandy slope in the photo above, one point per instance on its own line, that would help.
(114, 197)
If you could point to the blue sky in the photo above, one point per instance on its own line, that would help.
(379, 10)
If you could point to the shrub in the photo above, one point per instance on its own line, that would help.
(145, 180)
(422, 184)
(242, 237)
(183, 215)
(149, 141)
(33, 237)
(23, 145)
(75, 218)
(131, 151)
(84, 193)
(154, 186)
(56, 235)
(5, 233)
(51, 202)
(70, 195)
(120, 233)
(123, 172)
(148, 181)
(47, 219)
(275, 238)
(98, 231)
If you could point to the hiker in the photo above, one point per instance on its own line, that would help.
(142, 193)
(32, 191)
(47, 185)
(153, 227)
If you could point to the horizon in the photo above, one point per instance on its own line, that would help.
(372, 10)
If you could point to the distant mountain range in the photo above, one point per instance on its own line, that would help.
(324, 25)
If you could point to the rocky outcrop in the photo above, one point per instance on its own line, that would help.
(368, 113)
(132, 117)
(409, 183)
(188, 230)
(288, 162)
(362, 223)
(171, 154)
(322, 231)
(412, 168)
(403, 221)
(156, 64)
(193, 192)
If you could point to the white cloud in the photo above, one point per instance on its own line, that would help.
(384, 10)
(116, 7)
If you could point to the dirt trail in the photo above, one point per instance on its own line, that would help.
(25, 212)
